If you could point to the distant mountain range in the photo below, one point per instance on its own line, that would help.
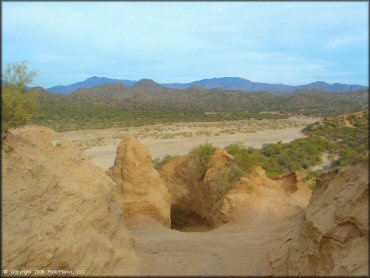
(88, 83)
(224, 83)
(241, 84)
(147, 102)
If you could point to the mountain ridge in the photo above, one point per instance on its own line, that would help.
(223, 83)
(88, 83)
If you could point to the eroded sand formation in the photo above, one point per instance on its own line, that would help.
(62, 212)
(58, 210)
(331, 236)
(197, 201)
(257, 194)
(193, 200)
(139, 185)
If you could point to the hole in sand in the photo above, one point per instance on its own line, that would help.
(188, 221)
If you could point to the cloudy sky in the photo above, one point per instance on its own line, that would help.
(285, 42)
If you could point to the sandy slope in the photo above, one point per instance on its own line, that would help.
(58, 209)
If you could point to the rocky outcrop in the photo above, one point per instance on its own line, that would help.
(331, 236)
(216, 199)
(283, 196)
(193, 201)
(58, 211)
(139, 185)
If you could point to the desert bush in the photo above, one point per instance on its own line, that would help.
(200, 156)
(226, 181)
(349, 144)
(246, 158)
(299, 154)
(18, 105)
(159, 163)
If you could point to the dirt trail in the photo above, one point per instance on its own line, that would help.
(326, 162)
(240, 247)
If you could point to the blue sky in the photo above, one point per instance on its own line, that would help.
(284, 42)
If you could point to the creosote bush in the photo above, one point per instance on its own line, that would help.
(18, 105)
(246, 158)
(159, 163)
(201, 155)
(225, 181)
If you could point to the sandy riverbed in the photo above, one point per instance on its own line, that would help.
(174, 139)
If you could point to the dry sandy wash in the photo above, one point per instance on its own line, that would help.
(176, 139)
(62, 212)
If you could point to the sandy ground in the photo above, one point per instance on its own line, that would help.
(100, 145)
(240, 247)
(326, 161)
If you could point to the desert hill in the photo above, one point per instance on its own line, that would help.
(61, 212)
(88, 83)
(225, 83)
(113, 105)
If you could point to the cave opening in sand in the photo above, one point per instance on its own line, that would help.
(188, 221)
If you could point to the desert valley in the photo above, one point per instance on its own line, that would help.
(158, 157)
(179, 138)
(273, 194)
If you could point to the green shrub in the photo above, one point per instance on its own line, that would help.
(300, 154)
(159, 163)
(246, 158)
(200, 156)
(18, 105)
(311, 184)
(349, 143)
(225, 181)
